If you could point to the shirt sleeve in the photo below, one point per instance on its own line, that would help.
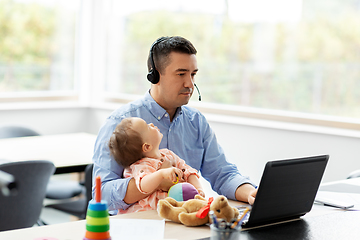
(224, 176)
(114, 186)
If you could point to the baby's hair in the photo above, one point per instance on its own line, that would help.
(125, 144)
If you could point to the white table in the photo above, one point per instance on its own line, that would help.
(346, 186)
(69, 152)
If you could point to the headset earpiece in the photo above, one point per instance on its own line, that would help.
(154, 75)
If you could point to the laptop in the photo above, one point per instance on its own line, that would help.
(287, 190)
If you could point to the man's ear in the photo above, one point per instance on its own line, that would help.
(146, 147)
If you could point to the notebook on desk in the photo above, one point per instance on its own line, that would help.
(287, 190)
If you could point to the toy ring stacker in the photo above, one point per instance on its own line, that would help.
(177, 180)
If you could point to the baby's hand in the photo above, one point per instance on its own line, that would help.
(173, 174)
(201, 192)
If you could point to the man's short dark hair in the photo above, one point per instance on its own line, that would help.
(162, 50)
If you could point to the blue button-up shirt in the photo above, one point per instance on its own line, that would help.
(188, 135)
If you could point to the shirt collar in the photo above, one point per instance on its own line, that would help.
(178, 112)
(155, 109)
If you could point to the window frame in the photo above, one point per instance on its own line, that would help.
(89, 91)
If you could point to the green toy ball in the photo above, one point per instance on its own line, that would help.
(182, 192)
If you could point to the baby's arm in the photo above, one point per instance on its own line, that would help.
(194, 180)
(150, 182)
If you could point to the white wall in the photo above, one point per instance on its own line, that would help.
(48, 120)
(246, 144)
(250, 147)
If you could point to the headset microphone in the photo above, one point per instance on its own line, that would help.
(198, 91)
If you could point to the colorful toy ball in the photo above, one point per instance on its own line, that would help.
(182, 192)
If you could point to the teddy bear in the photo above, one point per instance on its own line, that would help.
(195, 212)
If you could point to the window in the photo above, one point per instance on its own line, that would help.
(37, 46)
(300, 56)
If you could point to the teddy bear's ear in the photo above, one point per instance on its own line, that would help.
(223, 210)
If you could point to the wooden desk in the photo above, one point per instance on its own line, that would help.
(69, 152)
(76, 230)
(320, 223)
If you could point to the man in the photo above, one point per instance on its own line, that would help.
(172, 67)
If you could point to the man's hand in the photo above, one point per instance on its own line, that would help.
(251, 198)
(246, 193)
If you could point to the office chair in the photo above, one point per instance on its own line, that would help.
(55, 189)
(78, 207)
(63, 189)
(16, 131)
(354, 174)
(22, 209)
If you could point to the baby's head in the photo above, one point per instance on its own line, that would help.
(126, 144)
(132, 140)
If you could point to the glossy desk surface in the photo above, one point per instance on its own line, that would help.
(321, 223)
(332, 226)
(69, 152)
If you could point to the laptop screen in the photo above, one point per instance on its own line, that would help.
(287, 189)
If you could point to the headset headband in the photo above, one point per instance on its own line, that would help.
(153, 75)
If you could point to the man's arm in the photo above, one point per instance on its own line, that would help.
(246, 193)
(224, 176)
(114, 186)
(133, 194)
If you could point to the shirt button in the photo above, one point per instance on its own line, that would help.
(166, 115)
(161, 160)
(159, 117)
(141, 171)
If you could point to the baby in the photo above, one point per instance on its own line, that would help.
(135, 145)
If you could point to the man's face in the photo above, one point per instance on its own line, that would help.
(176, 83)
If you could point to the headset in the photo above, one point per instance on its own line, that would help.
(153, 76)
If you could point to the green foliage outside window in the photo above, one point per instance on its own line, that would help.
(314, 65)
(310, 66)
(36, 46)
(26, 46)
